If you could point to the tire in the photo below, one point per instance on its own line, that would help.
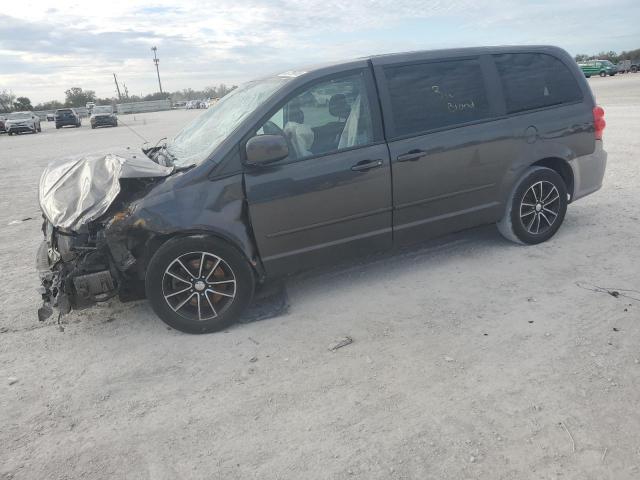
(93, 127)
(39, 128)
(603, 74)
(199, 308)
(588, 76)
(523, 205)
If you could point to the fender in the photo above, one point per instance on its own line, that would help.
(206, 207)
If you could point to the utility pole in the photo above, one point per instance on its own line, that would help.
(115, 79)
(156, 60)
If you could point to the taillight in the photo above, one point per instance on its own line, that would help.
(598, 121)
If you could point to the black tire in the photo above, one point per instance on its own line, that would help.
(521, 207)
(39, 127)
(603, 74)
(218, 310)
(93, 127)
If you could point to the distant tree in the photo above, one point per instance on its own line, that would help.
(156, 96)
(630, 55)
(76, 97)
(22, 103)
(6, 100)
(106, 101)
(207, 92)
(610, 55)
(581, 57)
(50, 105)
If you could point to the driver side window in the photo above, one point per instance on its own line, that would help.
(327, 117)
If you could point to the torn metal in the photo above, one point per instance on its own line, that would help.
(77, 191)
(105, 215)
(74, 261)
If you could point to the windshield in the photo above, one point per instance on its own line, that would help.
(198, 139)
(103, 109)
(19, 116)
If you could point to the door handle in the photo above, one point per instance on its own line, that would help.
(366, 165)
(412, 156)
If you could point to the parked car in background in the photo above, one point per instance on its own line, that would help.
(89, 106)
(271, 181)
(67, 117)
(2, 119)
(103, 116)
(22, 122)
(635, 66)
(598, 67)
(624, 66)
(51, 117)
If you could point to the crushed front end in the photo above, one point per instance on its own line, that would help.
(75, 269)
(85, 256)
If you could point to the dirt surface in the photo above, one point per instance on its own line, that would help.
(472, 358)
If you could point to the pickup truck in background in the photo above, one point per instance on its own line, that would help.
(624, 66)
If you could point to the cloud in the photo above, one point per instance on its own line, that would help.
(203, 42)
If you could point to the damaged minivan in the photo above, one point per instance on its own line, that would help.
(311, 167)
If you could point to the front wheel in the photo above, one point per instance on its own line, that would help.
(199, 284)
(536, 208)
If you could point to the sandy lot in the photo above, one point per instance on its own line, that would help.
(473, 358)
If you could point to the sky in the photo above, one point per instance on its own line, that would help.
(47, 47)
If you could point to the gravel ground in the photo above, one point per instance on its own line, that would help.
(473, 358)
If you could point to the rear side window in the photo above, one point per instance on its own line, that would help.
(535, 80)
(429, 96)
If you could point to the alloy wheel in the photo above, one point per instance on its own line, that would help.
(540, 207)
(199, 285)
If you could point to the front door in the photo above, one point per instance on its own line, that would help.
(448, 161)
(331, 197)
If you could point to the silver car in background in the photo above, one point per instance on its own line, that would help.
(22, 122)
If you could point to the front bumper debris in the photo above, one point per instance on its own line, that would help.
(75, 272)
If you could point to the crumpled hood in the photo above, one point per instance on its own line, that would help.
(78, 190)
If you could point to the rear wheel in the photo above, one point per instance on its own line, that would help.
(199, 284)
(603, 74)
(536, 208)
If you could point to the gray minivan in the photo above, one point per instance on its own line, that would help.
(312, 166)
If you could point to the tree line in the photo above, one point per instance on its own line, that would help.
(77, 97)
(610, 55)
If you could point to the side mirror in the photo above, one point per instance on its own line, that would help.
(263, 149)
